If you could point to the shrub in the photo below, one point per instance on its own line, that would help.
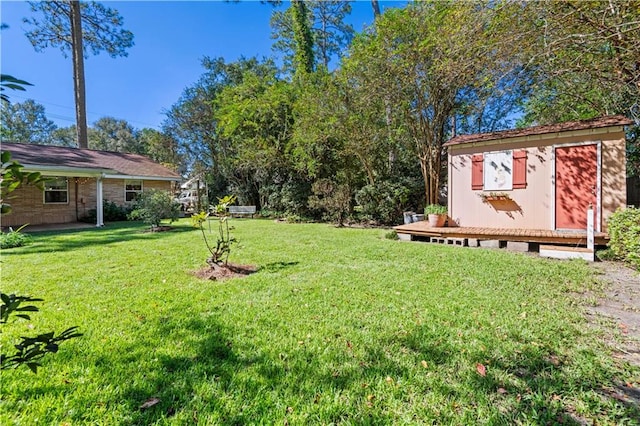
(333, 199)
(624, 230)
(153, 206)
(384, 201)
(13, 238)
(111, 213)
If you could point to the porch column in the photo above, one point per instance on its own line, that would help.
(99, 207)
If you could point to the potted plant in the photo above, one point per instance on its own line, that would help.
(436, 214)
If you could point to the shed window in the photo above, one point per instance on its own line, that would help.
(56, 190)
(132, 189)
(498, 170)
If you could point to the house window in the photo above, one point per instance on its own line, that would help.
(56, 190)
(132, 188)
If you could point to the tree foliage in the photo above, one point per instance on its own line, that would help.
(111, 134)
(425, 62)
(25, 122)
(369, 134)
(12, 176)
(586, 59)
(303, 59)
(9, 82)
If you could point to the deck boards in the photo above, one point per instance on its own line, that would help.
(524, 235)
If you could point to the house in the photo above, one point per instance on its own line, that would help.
(541, 178)
(79, 180)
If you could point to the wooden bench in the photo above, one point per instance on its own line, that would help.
(242, 210)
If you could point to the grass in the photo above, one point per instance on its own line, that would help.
(339, 326)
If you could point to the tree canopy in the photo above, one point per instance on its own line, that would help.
(363, 138)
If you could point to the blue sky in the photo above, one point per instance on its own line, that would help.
(170, 39)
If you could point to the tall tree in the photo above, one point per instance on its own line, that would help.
(256, 116)
(25, 122)
(425, 60)
(303, 61)
(332, 35)
(79, 28)
(192, 121)
(376, 8)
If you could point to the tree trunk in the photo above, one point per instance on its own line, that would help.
(376, 8)
(78, 74)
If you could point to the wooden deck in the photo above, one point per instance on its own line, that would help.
(575, 238)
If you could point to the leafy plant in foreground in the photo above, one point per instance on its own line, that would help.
(29, 350)
(13, 238)
(12, 177)
(220, 252)
(624, 228)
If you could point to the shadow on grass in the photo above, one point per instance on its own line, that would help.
(240, 383)
(535, 381)
(276, 266)
(69, 240)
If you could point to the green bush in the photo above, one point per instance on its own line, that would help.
(112, 213)
(391, 235)
(153, 206)
(624, 231)
(13, 239)
(383, 202)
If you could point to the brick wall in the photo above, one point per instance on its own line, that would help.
(28, 202)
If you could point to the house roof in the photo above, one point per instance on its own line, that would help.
(52, 159)
(595, 123)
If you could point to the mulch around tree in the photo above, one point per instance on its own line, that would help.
(223, 272)
(162, 228)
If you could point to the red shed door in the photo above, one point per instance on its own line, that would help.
(576, 185)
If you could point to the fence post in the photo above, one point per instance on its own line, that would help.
(590, 232)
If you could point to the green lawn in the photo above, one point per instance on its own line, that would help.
(338, 326)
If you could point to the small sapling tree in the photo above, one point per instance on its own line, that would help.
(221, 250)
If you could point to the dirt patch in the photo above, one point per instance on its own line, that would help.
(616, 311)
(163, 228)
(223, 272)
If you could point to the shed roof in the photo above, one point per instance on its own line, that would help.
(595, 123)
(52, 158)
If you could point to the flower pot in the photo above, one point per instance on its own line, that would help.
(437, 220)
(408, 217)
(418, 217)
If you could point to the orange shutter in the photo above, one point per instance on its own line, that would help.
(519, 169)
(477, 164)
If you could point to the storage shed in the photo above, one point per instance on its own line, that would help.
(543, 177)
